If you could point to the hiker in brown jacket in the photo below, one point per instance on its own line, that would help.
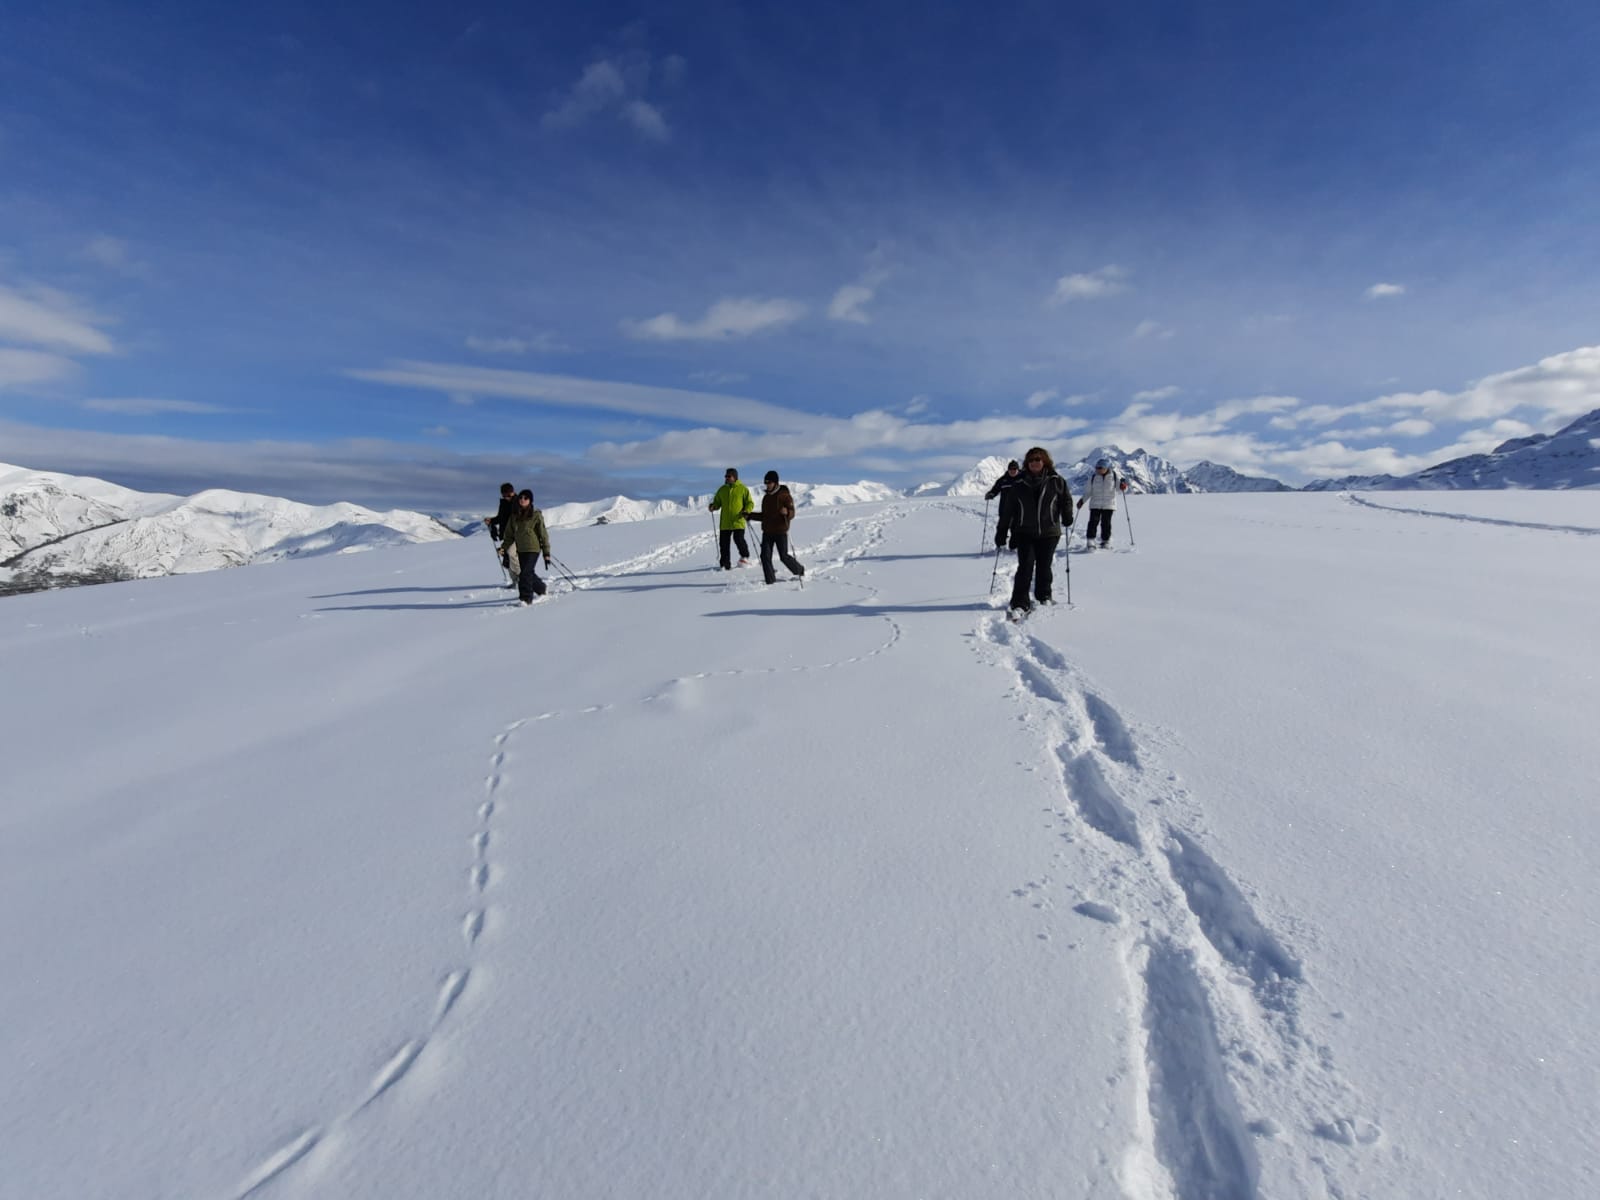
(776, 515)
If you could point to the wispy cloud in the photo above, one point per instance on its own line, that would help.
(1379, 291)
(47, 318)
(1563, 385)
(142, 407)
(717, 378)
(1160, 393)
(729, 318)
(849, 302)
(1040, 398)
(19, 368)
(112, 254)
(571, 391)
(615, 86)
(539, 343)
(1107, 281)
(647, 120)
(1152, 330)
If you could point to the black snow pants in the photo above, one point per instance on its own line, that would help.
(1035, 568)
(780, 543)
(724, 536)
(1102, 518)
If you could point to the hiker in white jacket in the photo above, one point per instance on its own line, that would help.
(1100, 498)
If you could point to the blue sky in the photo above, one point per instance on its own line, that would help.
(395, 253)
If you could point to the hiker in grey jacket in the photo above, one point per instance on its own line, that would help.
(1100, 498)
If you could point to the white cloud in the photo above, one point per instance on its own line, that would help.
(19, 368)
(437, 431)
(1380, 290)
(1152, 329)
(847, 304)
(1563, 385)
(717, 377)
(917, 404)
(1231, 410)
(1160, 393)
(141, 407)
(47, 318)
(1411, 427)
(1107, 281)
(1040, 399)
(725, 319)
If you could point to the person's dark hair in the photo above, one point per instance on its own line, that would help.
(770, 477)
(1013, 465)
(526, 494)
(1041, 452)
(734, 471)
(507, 489)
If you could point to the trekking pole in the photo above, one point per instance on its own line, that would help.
(565, 574)
(716, 537)
(1129, 515)
(1071, 525)
(984, 528)
(995, 570)
(499, 557)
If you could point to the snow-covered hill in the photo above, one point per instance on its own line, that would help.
(64, 528)
(1262, 869)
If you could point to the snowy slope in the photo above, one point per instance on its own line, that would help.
(346, 880)
(61, 525)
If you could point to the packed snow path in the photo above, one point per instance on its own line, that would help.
(347, 878)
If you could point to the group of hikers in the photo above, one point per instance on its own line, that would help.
(520, 529)
(1035, 510)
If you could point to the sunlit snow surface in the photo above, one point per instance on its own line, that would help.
(1265, 869)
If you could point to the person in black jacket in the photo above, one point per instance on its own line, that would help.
(497, 527)
(1041, 507)
(1003, 521)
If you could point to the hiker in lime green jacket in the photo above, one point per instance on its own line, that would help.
(733, 498)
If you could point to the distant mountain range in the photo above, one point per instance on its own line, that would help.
(57, 530)
(1567, 458)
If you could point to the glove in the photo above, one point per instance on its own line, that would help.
(546, 562)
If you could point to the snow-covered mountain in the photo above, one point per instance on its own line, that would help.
(980, 478)
(1214, 477)
(58, 529)
(1568, 458)
(1145, 472)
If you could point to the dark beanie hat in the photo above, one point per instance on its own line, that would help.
(770, 477)
(734, 471)
(1013, 463)
(525, 494)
